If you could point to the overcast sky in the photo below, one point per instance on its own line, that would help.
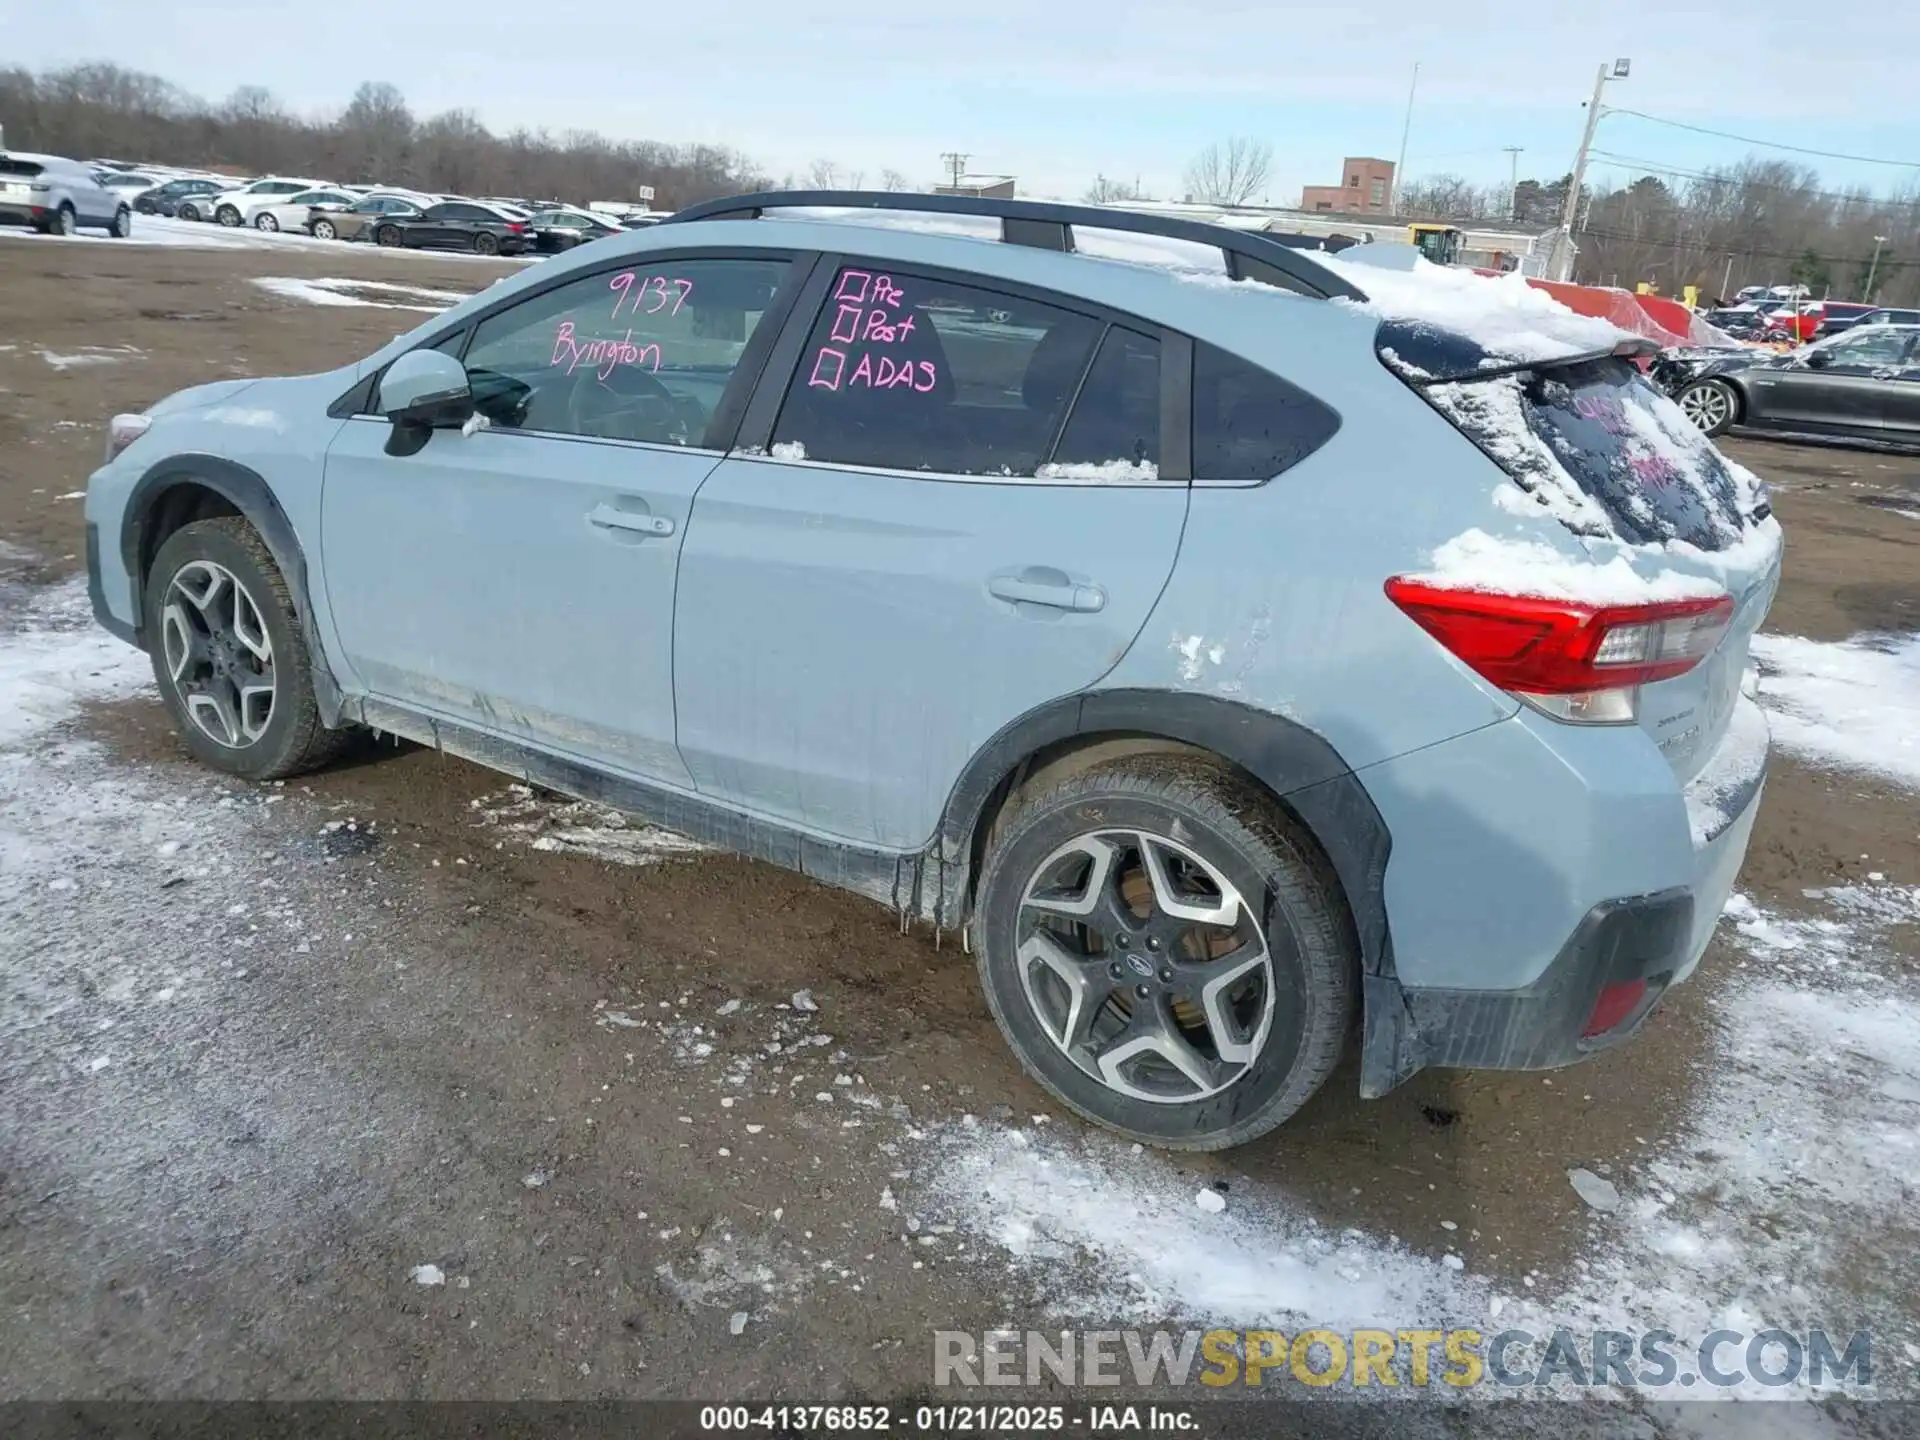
(1057, 90)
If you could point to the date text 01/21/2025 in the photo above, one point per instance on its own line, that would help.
(959, 1419)
(866, 315)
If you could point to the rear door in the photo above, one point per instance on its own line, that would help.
(958, 517)
(1902, 394)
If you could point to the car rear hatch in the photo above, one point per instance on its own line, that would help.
(1617, 463)
(18, 177)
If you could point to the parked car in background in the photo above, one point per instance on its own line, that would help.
(1883, 316)
(130, 182)
(1863, 384)
(166, 197)
(1839, 315)
(236, 207)
(1095, 612)
(298, 209)
(59, 196)
(458, 225)
(357, 221)
(558, 230)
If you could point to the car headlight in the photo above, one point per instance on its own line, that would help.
(122, 431)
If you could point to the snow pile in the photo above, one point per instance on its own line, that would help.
(88, 355)
(578, 827)
(60, 660)
(1855, 704)
(1504, 315)
(348, 293)
(1505, 565)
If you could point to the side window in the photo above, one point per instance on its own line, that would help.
(640, 354)
(1249, 424)
(1115, 424)
(1885, 347)
(907, 373)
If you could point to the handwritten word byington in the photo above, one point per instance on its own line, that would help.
(648, 294)
(868, 314)
(603, 356)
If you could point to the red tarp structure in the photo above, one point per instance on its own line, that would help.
(1665, 322)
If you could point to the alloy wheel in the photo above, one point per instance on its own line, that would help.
(218, 654)
(67, 222)
(1707, 406)
(1145, 966)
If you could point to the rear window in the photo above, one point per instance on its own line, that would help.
(19, 167)
(1603, 450)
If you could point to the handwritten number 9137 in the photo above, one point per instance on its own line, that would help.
(648, 294)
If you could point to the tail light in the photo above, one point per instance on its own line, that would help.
(123, 430)
(515, 227)
(1576, 662)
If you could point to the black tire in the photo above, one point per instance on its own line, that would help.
(1712, 405)
(188, 211)
(1257, 848)
(65, 222)
(386, 235)
(228, 216)
(294, 740)
(323, 230)
(486, 243)
(122, 223)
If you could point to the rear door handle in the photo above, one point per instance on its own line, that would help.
(1040, 587)
(611, 517)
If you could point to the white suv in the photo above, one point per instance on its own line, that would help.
(236, 206)
(58, 196)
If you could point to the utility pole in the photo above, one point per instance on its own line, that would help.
(1874, 267)
(1513, 181)
(1393, 196)
(1726, 283)
(1563, 247)
(957, 163)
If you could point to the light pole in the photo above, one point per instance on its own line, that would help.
(1563, 245)
(1406, 129)
(1513, 180)
(1873, 267)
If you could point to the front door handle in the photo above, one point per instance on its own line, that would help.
(611, 517)
(1035, 586)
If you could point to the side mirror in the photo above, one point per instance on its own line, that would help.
(423, 391)
(1819, 359)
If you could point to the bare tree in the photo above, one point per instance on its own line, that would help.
(894, 180)
(1107, 192)
(1230, 172)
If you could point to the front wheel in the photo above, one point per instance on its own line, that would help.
(323, 230)
(188, 211)
(229, 654)
(227, 216)
(1165, 952)
(122, 223)
(1711, 405)
(386, 235)
(265, 221)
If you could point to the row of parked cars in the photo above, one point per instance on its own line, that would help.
(391, 216)
(1795, 321)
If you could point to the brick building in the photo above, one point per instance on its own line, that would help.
(1365, 188)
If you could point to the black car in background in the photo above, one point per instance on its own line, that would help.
(558, 230)
(1834, 324)
(458, 225)
(1863, 384)
(164, 199)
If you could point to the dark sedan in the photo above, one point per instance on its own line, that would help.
(1864, 384)
(557, 230)
(164, 199)
(458, 225)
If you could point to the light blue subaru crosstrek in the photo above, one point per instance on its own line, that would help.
(1244, 668)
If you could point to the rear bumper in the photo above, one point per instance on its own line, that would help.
(1654, 933)
(18, 212)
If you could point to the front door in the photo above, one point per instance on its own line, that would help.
(1841, 390)
(520, 579)
(933, 547)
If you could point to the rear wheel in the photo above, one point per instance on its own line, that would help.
(323, 230)
(229, 655)
(65, 222)
(1711, 405)
(265, 221)
(1165, 952)
(485, 243)
(188, 211)
(386, 235)
(122, 223)
(227, 215)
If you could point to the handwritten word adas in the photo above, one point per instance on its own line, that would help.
(648, 294)
(885, 373)
(601, 355)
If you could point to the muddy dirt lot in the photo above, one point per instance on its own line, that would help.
(266, 1054)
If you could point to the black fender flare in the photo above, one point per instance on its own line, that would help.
(1298, 765)
(249, 493)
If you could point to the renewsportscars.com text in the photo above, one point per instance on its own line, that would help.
(1359, 1359)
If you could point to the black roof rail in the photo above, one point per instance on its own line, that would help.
(1044, 225)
